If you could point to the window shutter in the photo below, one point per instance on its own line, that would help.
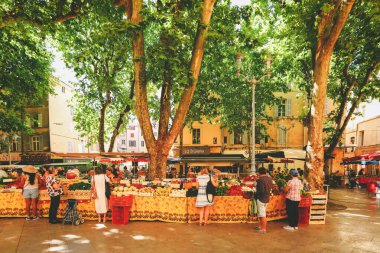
(27, 143)
(288, 107)
(275, 109)
(42, 146)
(232, 138)
(28, 121)
(40, 120)
(245, 137)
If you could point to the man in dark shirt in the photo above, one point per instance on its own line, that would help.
(264, 187)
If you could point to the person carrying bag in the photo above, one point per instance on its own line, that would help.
(203, 200)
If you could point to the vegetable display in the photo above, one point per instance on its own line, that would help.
(80, 186)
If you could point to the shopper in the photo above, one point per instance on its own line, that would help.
(293, 197)
(264, 187)
(29, 181)
(55, 191)
(202, 201)
(99, 189)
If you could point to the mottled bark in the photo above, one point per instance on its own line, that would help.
(328, 31)
(159, 149)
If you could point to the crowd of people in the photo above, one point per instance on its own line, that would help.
(101, 178)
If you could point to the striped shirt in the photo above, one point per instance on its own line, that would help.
(294, 192)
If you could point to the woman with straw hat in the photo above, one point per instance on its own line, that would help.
(29, 182)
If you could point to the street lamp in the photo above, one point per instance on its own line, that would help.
(286, 129)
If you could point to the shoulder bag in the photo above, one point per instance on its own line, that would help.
(108, 188)
(210, 191)
(93, 189)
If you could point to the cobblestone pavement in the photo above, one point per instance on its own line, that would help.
(353, 225)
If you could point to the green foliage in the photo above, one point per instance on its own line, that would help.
(24, 75)
(97, 47)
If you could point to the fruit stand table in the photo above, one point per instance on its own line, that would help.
(227, 209)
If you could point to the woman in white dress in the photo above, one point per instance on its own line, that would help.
(99, 188)
(202, 201)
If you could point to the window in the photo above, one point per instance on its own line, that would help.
(132, 135)
(123, 142)
(281, 136)
(142, 143)
(225, 139)
(361, 138)
(238, 138)
(37, 120)
(36, 143)
(284, 108)
(63, 89)
(16, 145)
(132, 143)
(131, 127)
(69, 147)
(214, 140)
(196, 136)
(281, 108)
(353, 140)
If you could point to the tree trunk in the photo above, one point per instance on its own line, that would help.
(329, 29)
(159, 149)
(101, 129)
(121, 119)
(158, 160)
(117, 127)
(102, 117)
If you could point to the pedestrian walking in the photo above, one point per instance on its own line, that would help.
(264, 187)
(55, 191)
(293, 198)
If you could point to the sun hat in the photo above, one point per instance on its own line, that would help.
(293, 172)
(29, 169)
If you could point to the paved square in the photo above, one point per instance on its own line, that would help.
(352, 225)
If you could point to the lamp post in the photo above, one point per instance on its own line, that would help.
(286, 129)
(253, 158)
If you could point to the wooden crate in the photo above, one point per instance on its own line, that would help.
(318, 209)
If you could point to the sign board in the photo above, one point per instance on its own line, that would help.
(196, 150)
(4, 157)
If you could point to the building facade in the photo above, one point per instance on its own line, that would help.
(132, 140)
(52, 128)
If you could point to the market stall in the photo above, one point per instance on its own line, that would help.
(168, 200)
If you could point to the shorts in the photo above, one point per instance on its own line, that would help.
(261, 209)
(30, 193)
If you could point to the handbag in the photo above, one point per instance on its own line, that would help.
(93, 190)
(108, 188)
(210, 191)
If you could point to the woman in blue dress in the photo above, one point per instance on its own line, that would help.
(202, 202)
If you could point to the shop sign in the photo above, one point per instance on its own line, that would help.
(367, 150)
(196, 150)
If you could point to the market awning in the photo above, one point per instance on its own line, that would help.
(214, 158)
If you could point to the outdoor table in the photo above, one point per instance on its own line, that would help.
(226, 209)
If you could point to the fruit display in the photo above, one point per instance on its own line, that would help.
(235, 191)
(178, 193)
(160, 191)
(146, 192)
